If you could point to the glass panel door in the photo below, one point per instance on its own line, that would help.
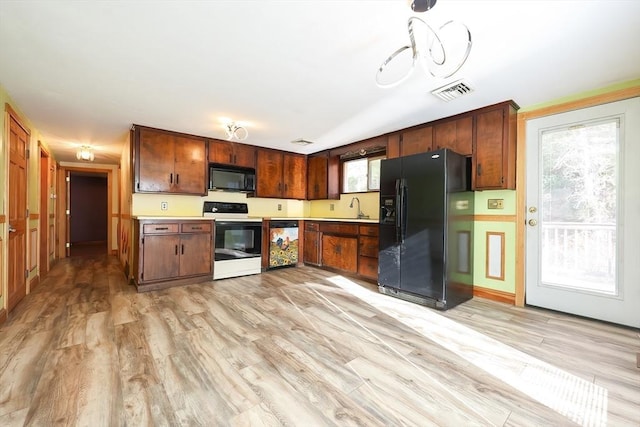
(583, 200)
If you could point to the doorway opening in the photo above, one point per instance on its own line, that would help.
(88, 219)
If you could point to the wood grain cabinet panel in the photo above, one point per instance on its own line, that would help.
(294, 176)
(456, 135)
(340, 252)
(317, 169)
(494, 148)
(169, 162)
(232, 153)
(281, 175)
(172, 252)
(311, 243)
(368, 251)
(416, 141)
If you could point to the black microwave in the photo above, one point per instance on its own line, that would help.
(231, 178)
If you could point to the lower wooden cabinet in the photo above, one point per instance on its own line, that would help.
(340, 252)
(368, 251)
(346, 246)
(172, 253)
(311, 251)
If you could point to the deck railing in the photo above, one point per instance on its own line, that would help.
(582, 254)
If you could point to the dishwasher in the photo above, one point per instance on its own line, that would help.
(283, 243)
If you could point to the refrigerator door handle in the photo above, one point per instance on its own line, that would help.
(398, 210)
(403, 209)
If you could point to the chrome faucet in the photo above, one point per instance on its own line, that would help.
(361, 214)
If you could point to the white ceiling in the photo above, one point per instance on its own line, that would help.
(83, 72)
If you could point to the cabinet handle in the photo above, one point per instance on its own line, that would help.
(177, 178)
(235, 159)
(286, 187)
(182, 250)
(170, 178)
(196, 228)
(176, 249)
(479, 169)
(161, 228)
(279, 186)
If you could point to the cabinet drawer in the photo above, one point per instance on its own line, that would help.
(339, 228)
(368, 267)
(369, 230)
(368, 246)
(196, 227)
(160, 228)
(311, 226)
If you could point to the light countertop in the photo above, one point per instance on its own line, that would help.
(250, 219)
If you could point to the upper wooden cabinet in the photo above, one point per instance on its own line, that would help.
(280, 174)
(169, 162)
(494, 147)
(231, 153)
(294, 176)
(323, 177)
(415, 141)
(456, 135)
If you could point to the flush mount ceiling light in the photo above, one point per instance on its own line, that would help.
(85, 153)
(235, 130)
(441, 53)
(301, 141)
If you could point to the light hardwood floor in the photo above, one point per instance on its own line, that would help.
(301, 347)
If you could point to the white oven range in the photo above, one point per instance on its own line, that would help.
(237, 239)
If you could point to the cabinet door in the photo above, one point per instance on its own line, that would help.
(155, 159)
(160, 259)
(340, 252)
(190, 166)
(294, 176)
(317, 178)
(244, 155)
(311, 247)
(195, 254)
(368, 246)
(269, 174)
(416, 141)
(464, 136)
(488, 153)
(220, 152)
(456, 135)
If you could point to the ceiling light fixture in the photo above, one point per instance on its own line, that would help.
(441, 53)
(85, 153)
(421, 5)
(234, 130)
(301, 141)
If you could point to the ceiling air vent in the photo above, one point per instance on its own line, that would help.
(452, 90)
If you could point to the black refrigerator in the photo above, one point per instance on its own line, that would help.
(426, 229)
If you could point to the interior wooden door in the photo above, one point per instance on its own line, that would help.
(18, 143)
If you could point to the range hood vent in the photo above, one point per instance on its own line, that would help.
(452, 90)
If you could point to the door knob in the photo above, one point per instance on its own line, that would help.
(11, 229)
(533, 222)
(533, 209)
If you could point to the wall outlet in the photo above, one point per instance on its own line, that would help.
(164, 206)
(279, 206)
(332, 206)
(495, 204)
